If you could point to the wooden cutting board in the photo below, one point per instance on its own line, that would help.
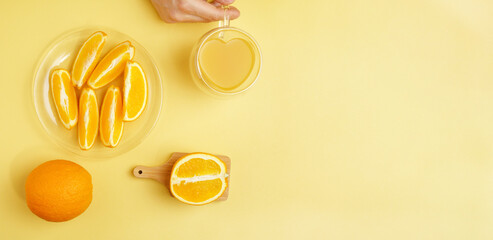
(162, 173)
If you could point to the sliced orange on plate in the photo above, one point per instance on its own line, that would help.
(112, 65)
(118, 106)
(87, 58)
(88, 119)
(111, 120)
(198, 178)
(134, 91)
(63, 94)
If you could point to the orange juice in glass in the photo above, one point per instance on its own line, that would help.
(226, 60)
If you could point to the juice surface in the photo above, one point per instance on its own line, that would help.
(226, 64)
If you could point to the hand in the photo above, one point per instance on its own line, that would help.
(173, 11)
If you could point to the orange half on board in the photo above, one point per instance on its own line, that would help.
(64, 97)
(198, 178)
(87, 58)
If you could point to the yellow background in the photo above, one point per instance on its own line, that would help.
(371, 120)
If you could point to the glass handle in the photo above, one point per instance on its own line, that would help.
(225, 21)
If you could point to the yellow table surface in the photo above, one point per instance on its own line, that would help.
(371, 120)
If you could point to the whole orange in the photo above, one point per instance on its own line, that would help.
(58, 190)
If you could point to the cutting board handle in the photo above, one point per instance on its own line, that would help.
(158, 173)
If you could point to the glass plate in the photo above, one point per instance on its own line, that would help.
(61, 54)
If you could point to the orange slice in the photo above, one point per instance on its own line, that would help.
(112, 65)
(134, 91)
(198, 178)
(111, 121)
(88, 118)
(64, 97)
(87, 58)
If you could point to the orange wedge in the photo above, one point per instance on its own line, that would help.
(198, 178)
(111, 121)
(134, 91)
(64, 97)
(112, 65)
(88, 118)
(87, 58)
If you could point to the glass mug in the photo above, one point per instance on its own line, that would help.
(226, 60)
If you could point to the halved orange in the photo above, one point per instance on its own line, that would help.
(134, 91)
(87, 58)
(111, 121)
(112, 65)
(198, 178)
(88, 118)
(64, 97)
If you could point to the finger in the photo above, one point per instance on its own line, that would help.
(187, 18)
(225, 2)
(233, 13)
(180, 17)
(207, 11)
